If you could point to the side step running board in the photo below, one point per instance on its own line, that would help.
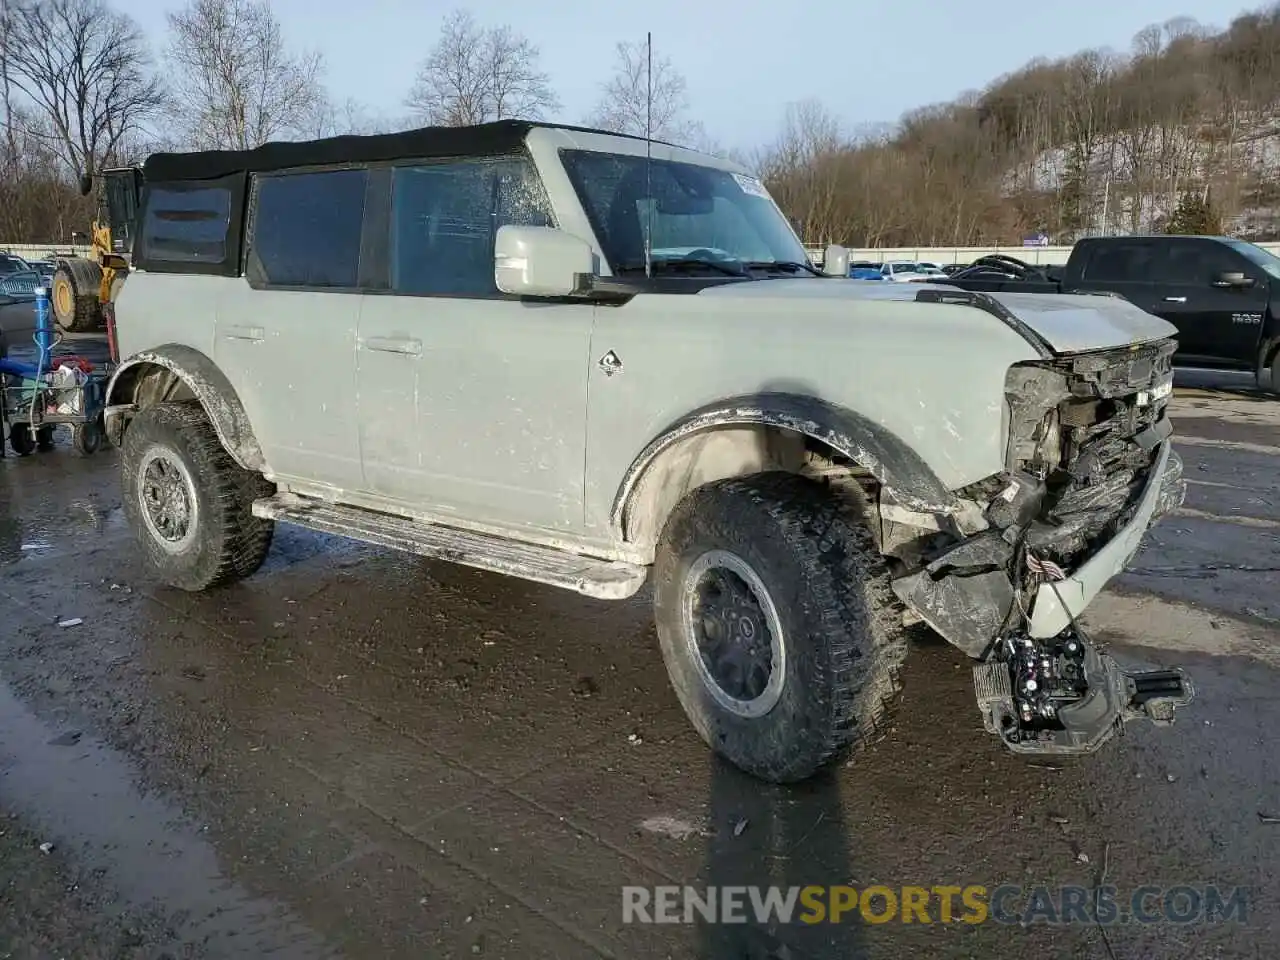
(603, 579)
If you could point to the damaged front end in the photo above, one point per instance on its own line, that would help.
(1089, 468)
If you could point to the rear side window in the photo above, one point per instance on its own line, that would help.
(188, 224)
(1120, 262)
(307, 227)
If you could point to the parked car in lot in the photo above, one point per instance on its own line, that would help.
(866, 270)
(18, 284)
(906, 271)
(45, 268)
(1221, 294)
(12, 263)
(386, 338)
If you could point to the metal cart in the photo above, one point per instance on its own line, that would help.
(37, 397)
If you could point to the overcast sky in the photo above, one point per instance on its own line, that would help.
(744, 61)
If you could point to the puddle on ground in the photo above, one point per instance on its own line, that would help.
(83, 797)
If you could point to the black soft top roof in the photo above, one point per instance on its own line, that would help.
(501, 136)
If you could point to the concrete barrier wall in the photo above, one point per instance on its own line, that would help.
(966, 254)
(40, 251)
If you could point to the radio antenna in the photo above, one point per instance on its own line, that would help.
(648, 156)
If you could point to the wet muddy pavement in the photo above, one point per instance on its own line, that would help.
(361, 754)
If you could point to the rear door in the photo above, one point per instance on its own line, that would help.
(1125, 266)
(286, 332)
(1217, 325)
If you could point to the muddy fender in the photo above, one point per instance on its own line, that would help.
(889, 459)
(180, 367)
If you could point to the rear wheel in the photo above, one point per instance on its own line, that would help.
(188, 502)
(87, 437)
(44, 438)
(75, 309)
(777, 624)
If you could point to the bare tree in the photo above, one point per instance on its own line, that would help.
(236, 85)
(634, 100)
(6, 91)
(477, 74)
(85, 70)
(333, 119)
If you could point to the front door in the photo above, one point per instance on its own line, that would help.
(286, 333)
(1219, 325)
(1122, 266)
(472, 403)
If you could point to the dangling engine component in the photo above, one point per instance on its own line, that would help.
(1061, 696)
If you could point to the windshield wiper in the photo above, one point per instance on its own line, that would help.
(685, 263)
(788, 266)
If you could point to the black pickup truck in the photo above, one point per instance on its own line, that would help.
(1222, 294)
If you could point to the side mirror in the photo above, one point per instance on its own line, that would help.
(1233, 278)
(541, 261)
(835, 261)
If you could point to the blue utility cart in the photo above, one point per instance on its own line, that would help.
(37, 397)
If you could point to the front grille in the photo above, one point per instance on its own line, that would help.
(1098, 445)
(20, 283)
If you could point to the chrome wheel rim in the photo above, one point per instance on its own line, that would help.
(167, 496)
(734, 634)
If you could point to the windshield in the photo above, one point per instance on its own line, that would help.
(904, 266)
(11, 264)
(696, 213)
(1256, 255)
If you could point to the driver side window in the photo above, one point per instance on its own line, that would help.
(1197, 263)
(445, 219)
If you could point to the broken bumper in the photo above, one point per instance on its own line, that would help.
(1165, 491)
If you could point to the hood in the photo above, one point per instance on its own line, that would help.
(1066, 323)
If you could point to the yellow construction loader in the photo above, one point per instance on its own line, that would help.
(82, 285)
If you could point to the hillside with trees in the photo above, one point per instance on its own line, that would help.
(1189, 120)
(1182, 133)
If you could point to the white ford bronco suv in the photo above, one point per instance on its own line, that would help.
(592, 360)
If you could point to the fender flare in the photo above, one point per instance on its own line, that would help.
(888, 458)
(206, 382)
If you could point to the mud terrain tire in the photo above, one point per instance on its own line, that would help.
(188, 502)
(841, 642)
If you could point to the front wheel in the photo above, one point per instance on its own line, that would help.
(778, 627)
(189, 503)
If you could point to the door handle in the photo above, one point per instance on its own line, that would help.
(1175, 299)
(236, 332)
(406, 345)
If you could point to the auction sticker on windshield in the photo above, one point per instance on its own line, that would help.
(751, 186)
